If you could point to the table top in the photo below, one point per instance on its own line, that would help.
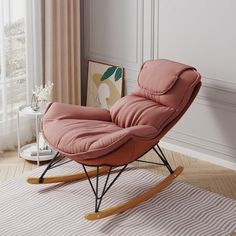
(26, 110)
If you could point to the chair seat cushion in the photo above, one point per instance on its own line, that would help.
(90, 138)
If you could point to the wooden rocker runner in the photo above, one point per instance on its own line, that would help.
(111, 139)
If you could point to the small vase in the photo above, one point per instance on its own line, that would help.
(34, 102)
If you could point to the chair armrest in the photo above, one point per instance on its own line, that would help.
(142, 132)
(61, 111)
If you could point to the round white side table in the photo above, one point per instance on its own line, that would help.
(27, 150)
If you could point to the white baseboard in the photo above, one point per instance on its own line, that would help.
(198, 155)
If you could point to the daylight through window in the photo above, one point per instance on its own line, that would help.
(13, 79)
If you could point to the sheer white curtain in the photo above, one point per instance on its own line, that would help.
(20, 65)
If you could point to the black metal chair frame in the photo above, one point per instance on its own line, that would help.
(58, 161)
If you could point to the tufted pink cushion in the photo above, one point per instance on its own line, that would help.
(62, 111)
(162, 95)
(133, 110)
(177, 84)
(85, 139)
(159, 76)
(158, 97)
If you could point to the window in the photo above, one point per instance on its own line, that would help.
(20, 65)
(13, 76)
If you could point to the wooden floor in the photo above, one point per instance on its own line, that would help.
(199, 173)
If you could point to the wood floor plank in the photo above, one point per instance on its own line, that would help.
(196, 172)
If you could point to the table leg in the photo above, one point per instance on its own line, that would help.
(37, 139)
(18, 133)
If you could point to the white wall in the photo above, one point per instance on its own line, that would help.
(201, 33)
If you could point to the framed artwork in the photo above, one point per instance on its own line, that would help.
(105, 83)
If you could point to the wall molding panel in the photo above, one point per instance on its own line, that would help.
(117, 33)
(158, 29)
(198, 154)
(216, 104)
(203, 143)
(218, 84)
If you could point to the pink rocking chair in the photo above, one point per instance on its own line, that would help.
(110, 139)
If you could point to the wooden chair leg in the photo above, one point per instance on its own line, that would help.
(67, 178)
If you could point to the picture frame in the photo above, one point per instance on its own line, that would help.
(104, 84)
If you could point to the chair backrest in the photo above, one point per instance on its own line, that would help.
(163, 90)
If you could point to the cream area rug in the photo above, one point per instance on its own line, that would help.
(58, 209)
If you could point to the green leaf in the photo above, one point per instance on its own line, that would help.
(118, 74)
(109, 72)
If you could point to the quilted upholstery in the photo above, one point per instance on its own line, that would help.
(134, 110)
(75, 136)
(160, 83)
(164, 91)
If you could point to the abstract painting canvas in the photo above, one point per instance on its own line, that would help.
(104, 84)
